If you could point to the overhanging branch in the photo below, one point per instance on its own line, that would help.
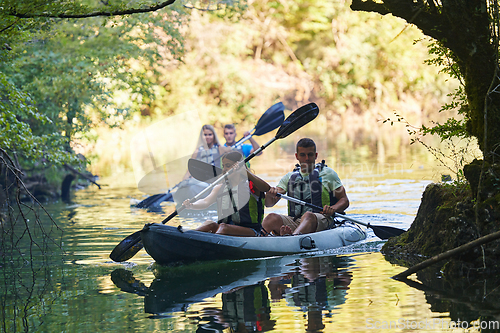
(153, 8)
(369, 6)
(419, 13)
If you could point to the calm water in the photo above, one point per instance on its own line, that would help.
(346, 290)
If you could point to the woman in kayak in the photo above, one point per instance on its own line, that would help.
(240, 200)
(209, 149)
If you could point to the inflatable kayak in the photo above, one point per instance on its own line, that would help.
(167, 244)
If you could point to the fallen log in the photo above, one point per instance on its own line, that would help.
(445, 255)
(90, 179)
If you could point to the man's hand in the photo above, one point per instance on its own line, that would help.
(273, 193)
(329, 210)
(271, 196)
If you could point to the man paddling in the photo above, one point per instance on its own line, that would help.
(245, 149)
(317, 184)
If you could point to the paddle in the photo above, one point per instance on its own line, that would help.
(382, 232)
(206, 173)
(132, 244)
(203, 171)
(156, 199)
(269, 121)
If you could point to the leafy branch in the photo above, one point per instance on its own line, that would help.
(457, 155)
(116, 11)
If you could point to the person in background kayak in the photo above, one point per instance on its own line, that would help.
(245, 149)
(209, 149)
(310, 182)
(240, 201)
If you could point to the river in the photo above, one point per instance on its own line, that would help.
(75, 287)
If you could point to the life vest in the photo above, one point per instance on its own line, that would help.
(249, 305)
(299, 188)
(210, 156)
(250, 215)
(239, 149)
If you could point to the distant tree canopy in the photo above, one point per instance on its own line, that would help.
(299, 51)
(467, 44)
(63, 63)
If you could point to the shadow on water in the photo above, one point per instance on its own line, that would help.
(312, 284)
(29, 249)
(469, 304)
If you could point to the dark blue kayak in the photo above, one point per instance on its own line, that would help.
(167, 244)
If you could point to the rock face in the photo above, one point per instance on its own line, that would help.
(451, 215)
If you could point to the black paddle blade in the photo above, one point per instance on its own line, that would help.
(155, 200)
(127, 248)
(385, 232)
(126, 281)
(203, 171)
(297, 119)
(270, 120)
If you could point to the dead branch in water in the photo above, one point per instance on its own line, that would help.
(448, 254)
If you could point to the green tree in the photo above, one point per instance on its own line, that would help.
(63, 63)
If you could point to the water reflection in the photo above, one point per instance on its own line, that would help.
(471, 304)
(313, 285)
(318, 285)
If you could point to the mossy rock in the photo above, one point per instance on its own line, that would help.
(439, 222)
(451, 215)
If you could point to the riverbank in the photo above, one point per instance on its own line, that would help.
(451, 215)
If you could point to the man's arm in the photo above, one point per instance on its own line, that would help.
(271, 197)
(254, 143)
(340, 206)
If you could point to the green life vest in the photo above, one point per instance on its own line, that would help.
(299, 187)
(250, 215)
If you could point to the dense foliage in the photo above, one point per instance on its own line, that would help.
(349, 63)
(60, 77)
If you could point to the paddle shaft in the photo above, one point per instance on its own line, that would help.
(240, 142)
(304, 203)
(383, 232)
(256, 152)
(220, 179)
(308, 204)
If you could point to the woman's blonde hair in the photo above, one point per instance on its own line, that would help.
(201, 140)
